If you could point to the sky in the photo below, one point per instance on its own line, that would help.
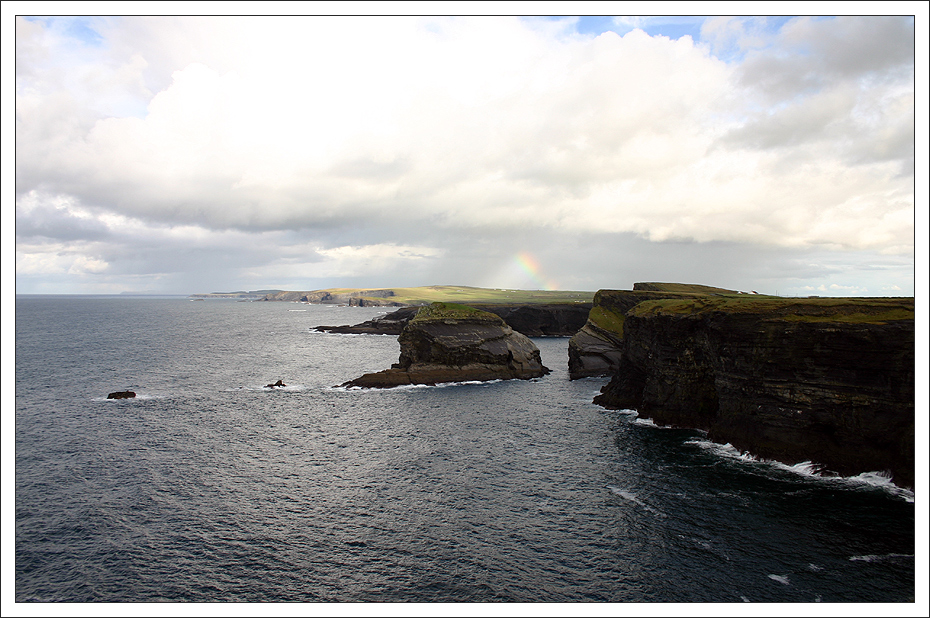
(183, 155)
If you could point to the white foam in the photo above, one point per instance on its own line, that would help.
(407, 387)
(877, 558)
(313, 331)
(645, 422)
(781, 579)
(290, 388)
(808, 469)
(626, 495)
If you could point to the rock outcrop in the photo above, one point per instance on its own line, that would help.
(536, 320)
(391, 324)
(454, 343)
(824, 380)
(121, 395)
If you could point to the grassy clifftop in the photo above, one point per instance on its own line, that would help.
(436, 293)
(452, 311)
(848, 310)
(653, 286)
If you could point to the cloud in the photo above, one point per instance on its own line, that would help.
(375, 142)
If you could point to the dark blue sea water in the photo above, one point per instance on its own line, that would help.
(209, 487)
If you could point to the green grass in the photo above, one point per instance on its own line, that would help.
(465, 294)
(603, 317)
(848, 310)
(653, 286)
(452, 311)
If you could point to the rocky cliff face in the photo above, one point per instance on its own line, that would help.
(595, 349)
(537, 320)
(823, 380)
(453, 343)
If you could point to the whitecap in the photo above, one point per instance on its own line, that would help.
(807, 469)
(781, 579)
(877, 558)
(626, 495)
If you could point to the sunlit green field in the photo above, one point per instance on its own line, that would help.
(463, 294)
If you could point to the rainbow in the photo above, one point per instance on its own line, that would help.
(530, 266)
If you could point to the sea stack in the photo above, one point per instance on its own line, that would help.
(446, 342)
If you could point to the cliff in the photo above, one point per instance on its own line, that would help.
(536, 320)
(823, 380)
(455, 343)
(357, 298)
(596, 348)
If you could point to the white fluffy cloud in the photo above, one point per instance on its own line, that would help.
(387, 140)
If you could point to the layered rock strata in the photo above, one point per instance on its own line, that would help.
(536, 320)
(595, 349)
(824, 380)
(454, 343)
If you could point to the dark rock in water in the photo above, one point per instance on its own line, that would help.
(454, 343)
(278, 384)
(828, 380)
(121, 395)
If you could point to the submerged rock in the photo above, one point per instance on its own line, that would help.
(121, 395)
(455, 343)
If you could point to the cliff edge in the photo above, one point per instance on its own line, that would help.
(595, 349)
(446, 342)
(824, 380)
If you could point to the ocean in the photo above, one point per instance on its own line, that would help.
(210, 487)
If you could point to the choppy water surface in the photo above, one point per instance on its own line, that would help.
(209, 487)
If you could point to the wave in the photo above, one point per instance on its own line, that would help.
(781, 579)
(313, 331)
(409, 387)
(877, 558)
(290, 388)
(648, 422)
(808, 469)
(626, 495)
